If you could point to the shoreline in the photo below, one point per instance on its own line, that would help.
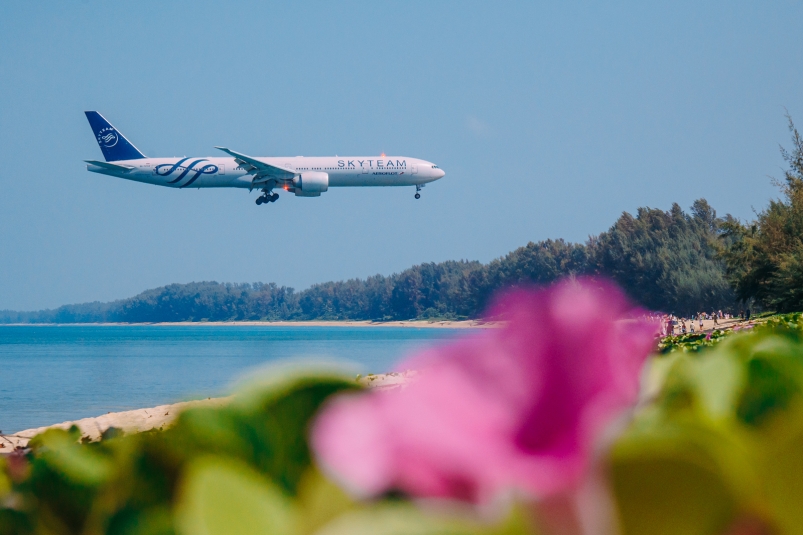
(418, 324)
(139, 420)
(132, 421)
(161, 416)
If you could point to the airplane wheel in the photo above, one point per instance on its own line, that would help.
(274, 197)
(259, 201)
(417, 195)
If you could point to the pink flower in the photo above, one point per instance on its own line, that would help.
(515, 408)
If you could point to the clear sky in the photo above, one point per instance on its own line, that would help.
(550, 120)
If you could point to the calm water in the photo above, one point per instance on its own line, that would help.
(52, 374)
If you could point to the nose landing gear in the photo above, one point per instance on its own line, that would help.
(417, 189)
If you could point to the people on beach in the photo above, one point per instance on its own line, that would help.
(672, 325)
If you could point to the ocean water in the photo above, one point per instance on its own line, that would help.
(51, 374)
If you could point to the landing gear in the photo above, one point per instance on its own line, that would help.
(417, 189)
(267, 197)
(417, 195)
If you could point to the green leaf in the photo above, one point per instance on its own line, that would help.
(5, 481)
(674, 481)
(780, 462)
(718, 378)
(320, 500)
(406, 519)
(79, 464)
(226, 497)
(153, 521)
(277, 412)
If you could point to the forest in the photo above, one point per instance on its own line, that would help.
(669, 261)
(664, 260)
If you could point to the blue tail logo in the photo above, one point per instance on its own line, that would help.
(112, 143)
(107, 138)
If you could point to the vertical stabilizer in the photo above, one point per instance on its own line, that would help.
(112, 143)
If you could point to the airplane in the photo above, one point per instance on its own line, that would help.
(303, 176)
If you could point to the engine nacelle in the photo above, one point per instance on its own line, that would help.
(311, 184)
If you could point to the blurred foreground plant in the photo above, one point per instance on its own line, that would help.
(719, 449)
(533, 428)
(514, 409)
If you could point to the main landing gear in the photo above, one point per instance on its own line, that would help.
(417, 189)
(267, 197)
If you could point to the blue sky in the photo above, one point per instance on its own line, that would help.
(550, 119)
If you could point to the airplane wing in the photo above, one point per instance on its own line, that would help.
(262, 171)
(111, 166)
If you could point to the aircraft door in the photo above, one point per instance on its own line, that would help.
(364, 170)
(221, 169)
(415, 169)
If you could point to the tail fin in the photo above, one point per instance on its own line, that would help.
(113, 144)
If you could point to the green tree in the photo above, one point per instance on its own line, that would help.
(765, 257)
(666, 260)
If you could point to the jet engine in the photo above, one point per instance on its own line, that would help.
(311, 184)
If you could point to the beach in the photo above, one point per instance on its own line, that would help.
(160, 417)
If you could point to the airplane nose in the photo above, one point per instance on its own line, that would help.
(439, 173)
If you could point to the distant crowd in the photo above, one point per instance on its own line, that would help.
(674, 325)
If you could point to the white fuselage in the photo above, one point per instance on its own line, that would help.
(224, 172)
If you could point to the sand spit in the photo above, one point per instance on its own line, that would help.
(139, 420)
(464, 324)
(134, 421)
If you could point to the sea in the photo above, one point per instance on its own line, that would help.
(52, 374)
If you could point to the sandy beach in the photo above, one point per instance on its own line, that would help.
(709, 325)
(134, 421)
(160, 417)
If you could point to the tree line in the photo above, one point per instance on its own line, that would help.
(664, 260)
(671, 261)
(764, 257)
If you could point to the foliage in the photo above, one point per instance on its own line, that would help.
(242, 469)
(765, 257)
(714, 447)
(717, 449)
(431, 290)
(566, 362)
(691, 342)
(664, 260)
(534, 264)
(790, 324)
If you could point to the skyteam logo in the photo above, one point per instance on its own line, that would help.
(167, 169)
(107, 137)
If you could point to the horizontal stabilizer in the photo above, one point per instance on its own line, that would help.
(111, 166)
